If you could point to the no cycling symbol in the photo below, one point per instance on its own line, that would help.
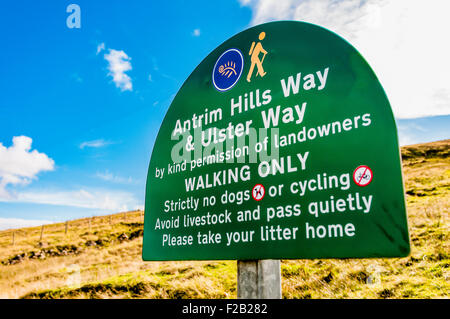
(258, 192)
(362, 176)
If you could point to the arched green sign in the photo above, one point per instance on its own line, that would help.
(280, 144)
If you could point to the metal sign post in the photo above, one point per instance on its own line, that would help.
(259, 279)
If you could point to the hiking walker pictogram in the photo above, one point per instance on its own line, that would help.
(254, 52)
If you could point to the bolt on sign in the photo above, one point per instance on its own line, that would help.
(280, 144)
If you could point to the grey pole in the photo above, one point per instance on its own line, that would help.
(259, 279)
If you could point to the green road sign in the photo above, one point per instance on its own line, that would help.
(280, 144)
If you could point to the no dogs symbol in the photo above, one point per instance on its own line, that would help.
(362, 176)
(258, 192)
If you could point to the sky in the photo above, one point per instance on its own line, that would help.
(83, 96)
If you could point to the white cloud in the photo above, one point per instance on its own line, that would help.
(106, 200)
(12, 223)
(19, 165)
(100, 47)
(110, 177)
(95, 143)
(118, 64)
(196, 32)
(403, 41)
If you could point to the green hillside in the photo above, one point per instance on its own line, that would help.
(101, 257)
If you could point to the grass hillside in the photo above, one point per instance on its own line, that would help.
(101, 257)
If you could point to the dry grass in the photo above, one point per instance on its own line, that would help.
(107, 260)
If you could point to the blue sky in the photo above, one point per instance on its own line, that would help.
(86, 103)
